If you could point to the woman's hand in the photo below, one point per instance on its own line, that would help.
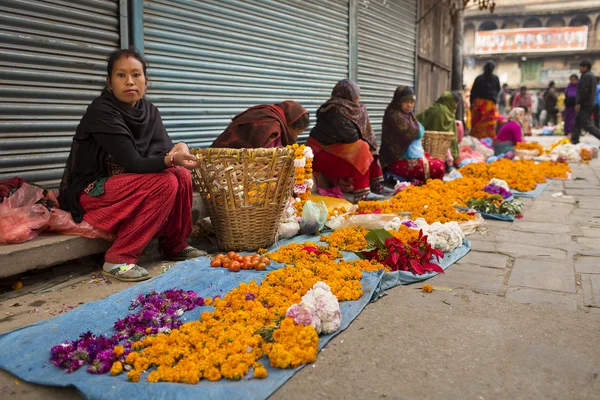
(181, 147)
(185, 160)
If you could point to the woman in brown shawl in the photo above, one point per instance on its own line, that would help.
(263, 126)
(401, 151)
(344, 145)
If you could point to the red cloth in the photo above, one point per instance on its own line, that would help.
(138, 207)
(262, 127)
(358, 154)
(414, 169)
(345, 175)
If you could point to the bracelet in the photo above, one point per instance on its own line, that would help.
(173, 158)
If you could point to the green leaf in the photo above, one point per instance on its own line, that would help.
(377, 238)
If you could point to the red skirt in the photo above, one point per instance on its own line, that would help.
(138, 207)
(417, 169)
(345, 176)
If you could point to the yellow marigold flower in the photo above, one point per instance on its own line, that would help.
(134, 375)
(116, 368)
(118, 351)
(427, 288)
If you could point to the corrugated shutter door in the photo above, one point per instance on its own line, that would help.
(52, 65)
(386, 52)
(210, 60)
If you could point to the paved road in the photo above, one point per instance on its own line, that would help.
(522, 320)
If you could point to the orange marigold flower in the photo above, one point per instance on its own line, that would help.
(116, 368)
(427, 288)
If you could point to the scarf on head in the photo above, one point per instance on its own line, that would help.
(107, 115)
(517, 114)
(441, 117)
(399, 129)
(345, 101)
(262, 126)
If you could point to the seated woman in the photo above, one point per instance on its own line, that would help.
(264, 126)
(401, 151)
(345, 146)
(511, 133)
(441, 117)
(124, 175)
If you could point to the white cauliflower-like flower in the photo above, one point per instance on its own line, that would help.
(309, 183)
(300, 162)
(319, 308)
(499, 183)
(445, 237)
(308, 153)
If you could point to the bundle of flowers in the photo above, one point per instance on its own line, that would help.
(434, 201)
(347, 239)
(493, 189)
(496, 205)
(531, 146)
(303, 174)
(446, 237)
(158, 313)
(522, 175)
(415, 257)
(319, 308)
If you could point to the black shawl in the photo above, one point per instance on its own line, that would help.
(107, 115)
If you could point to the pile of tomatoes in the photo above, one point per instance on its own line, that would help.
(234, 262)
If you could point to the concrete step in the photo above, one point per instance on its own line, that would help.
(50, 249)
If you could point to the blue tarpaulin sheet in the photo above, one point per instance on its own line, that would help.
(532, 193)
(25, 351)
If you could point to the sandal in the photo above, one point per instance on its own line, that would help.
(126, 272)
(188, 253)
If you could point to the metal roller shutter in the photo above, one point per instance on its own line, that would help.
(387, 36)
(211, 60)
(52, 65)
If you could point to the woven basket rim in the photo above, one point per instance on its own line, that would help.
(440, 133)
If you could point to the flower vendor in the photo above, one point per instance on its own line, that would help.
(483, 103)
(265, 126)
(125, 176)
(441, 117)
(401, 151)
(344, 145)
(511, 133)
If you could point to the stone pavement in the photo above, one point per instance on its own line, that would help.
(521, 321)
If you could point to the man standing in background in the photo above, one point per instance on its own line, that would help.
(586, 102)
(503, 97)
(551, 99)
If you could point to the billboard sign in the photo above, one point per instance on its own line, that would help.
(531, 40)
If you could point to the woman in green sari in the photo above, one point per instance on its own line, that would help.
(441, 117)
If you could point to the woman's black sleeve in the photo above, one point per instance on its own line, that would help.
(125, 154)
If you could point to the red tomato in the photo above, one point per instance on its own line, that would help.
(261, 267)
(231, 255)
(234, 266)
(215, 263)
(265, 260)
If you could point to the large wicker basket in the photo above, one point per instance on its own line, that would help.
(245, 192)
(437, 143)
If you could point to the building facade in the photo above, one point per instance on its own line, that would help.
(208, 61)
(537, 65)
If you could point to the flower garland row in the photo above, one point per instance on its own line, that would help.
(303, 182)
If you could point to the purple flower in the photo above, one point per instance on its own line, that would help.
(410, 224)
(158, 311)
(250, 296)
(493, 189)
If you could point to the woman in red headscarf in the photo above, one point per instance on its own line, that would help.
(264, 126)
(345, 146)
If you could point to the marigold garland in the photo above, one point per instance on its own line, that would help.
(293, 345)
(530, 146)
(303, 181)
(434, 201)
(523, 175)
(405, 234)
(347, 239)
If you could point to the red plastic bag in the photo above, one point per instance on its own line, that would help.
(62, 222)
(20, 218)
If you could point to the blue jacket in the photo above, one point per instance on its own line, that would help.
(598, 94)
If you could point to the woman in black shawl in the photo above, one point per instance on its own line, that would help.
(124, 175)
(345, 146)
